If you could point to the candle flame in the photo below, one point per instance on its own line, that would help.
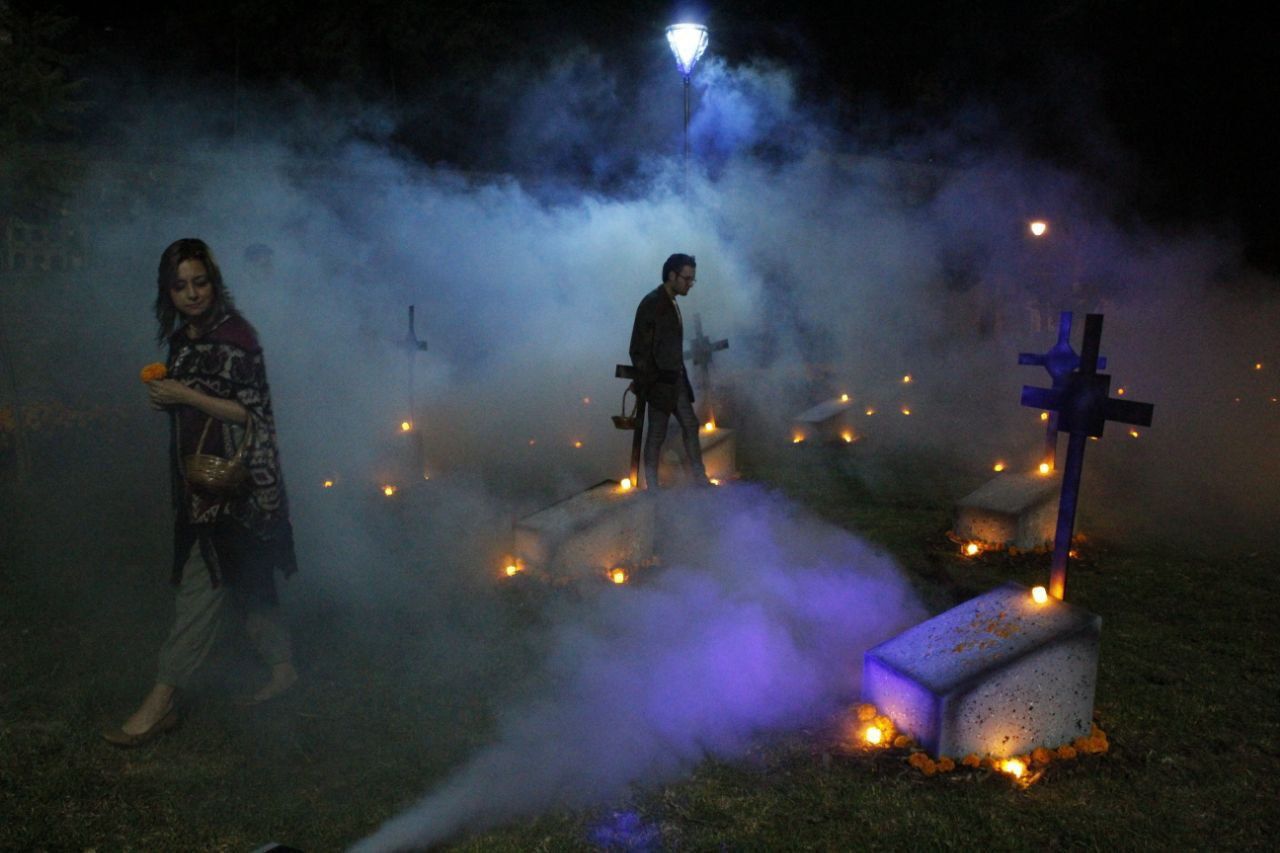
(532, 442)
(388, 490)
(714, 481)
(709, 426)
(906, 380)
(405, 426)
(328, 484)
(626, 484)
(905, 410)
(1013, 767)
(513, 569)
(1120, 391)
(1134, 433)
(1044, 416)
(848, 436)
(998, 467)
(873, 735)
(870, 412)
(586, 401)
(618, 576)
(1038, 228)
(577, 444)
(844, 398)
(1045, 468)
(1257, 365)
(1039, 594)
(797, 438)
(972, 549)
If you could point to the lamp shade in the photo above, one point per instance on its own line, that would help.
(688, 41)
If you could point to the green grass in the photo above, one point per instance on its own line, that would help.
(1187, 691)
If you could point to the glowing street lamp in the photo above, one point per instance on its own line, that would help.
(688, 43)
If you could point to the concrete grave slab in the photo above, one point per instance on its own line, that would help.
(589, 533)
(1011, 509)
(719, 455)
(998, 675)
(829, 421)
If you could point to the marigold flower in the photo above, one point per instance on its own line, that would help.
(929, 768)
(946, 765)
(971, 760)
(902, 741)
(1040, 755)
(154, 371)
(883, 723)
(866, 713)
(918, 760)
(1067, 751)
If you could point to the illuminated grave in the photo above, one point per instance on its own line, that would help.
(1012, 509)
(828, 421)
(998, 675)
(719, 456)
(588, 534)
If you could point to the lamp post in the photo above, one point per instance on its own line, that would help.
(688, 42)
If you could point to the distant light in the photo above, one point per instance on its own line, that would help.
(586, 401)
(618, 576)
(328, 484)
(1039, 594)
(844, 398)
(1134, 433)
(405, 426)
(873, 735)
(906, 380)
(388, 490)
(688, 42)
(626, 484)
(1257, 365)
(1120, 391)
(714, 481)
(870, 412)
(1045, 468)
(998, 467)
(848, 436)
(512, 569)
(1013, 767)
(905, 410)
(1038, 228)
(797, 438)
(577, 444)
(532, 442)
(1044, 416)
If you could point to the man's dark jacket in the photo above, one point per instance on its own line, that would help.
(657, 351)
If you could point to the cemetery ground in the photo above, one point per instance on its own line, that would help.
(1187, 688)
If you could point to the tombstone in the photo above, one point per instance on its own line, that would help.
(829, 422)
(998, 675)
(1012, 509)
(587, 535)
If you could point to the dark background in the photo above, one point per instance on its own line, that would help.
(1172, 101)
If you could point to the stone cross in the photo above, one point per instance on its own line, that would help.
(701, 350)
(1083, 408)
(1060, 360)
(413, 346)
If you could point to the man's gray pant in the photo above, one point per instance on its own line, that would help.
(657, 434)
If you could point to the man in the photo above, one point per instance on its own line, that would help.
(657, 354)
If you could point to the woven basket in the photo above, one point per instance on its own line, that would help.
(625, 421)
(213, 473)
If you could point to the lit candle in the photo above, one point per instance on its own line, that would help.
(626, 484)
(998, 467)
(1039, 594)
(405, 426)
(618, 576)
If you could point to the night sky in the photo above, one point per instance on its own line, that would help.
(1172, 95)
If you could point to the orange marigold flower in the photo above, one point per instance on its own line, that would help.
(1066, 751)
(917, 759)
(946, 765)
(154, 371)
(1040, 755)
(902, 741)
(866, 713)
(990, 763)
(971, 760)
(928, 768)
(882, 722)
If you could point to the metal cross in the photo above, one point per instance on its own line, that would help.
(701, 350)
(1060, 360)
(1083, 407)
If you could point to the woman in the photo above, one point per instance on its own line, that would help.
(225, 546)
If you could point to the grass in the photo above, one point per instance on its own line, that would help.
(1187, 690)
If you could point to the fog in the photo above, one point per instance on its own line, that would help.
(832, 264)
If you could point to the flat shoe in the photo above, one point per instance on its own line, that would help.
(120, 737)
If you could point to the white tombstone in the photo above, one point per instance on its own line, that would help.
(1012, 509)
(589, 534)
(827, 422)
(998, 675)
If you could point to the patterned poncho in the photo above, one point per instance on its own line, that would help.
(246, 536)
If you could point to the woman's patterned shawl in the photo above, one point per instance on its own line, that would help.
(227, 362)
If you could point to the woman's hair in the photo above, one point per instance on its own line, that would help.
(187, 249)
